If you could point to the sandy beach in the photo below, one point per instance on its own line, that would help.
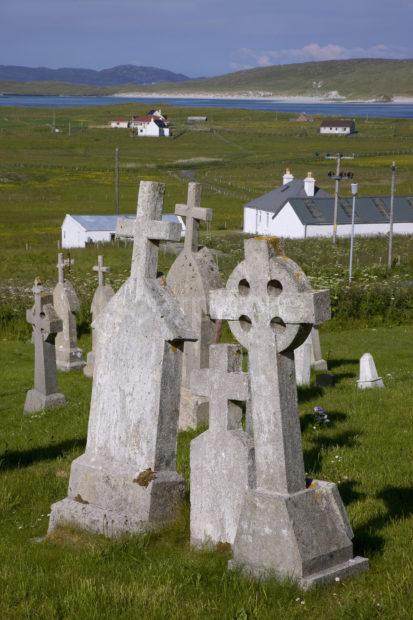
(257, 96)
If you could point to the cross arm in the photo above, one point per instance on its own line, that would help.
(224, 304)
(309, 307)
(197, 213)
(163, 231)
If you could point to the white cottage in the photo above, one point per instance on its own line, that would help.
(119, 123)
(81, 230)
(337, 127)
(153, 125)
(259, 213)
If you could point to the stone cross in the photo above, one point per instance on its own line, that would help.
(102, 295)
(66, 303)
(62, 263)
(194, 214)
(221, 458)
(126, 481)
(147, 231)
(102, 270)
(46, 324)
(271, 308)
(192, 275)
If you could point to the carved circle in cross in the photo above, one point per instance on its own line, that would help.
(260, 286)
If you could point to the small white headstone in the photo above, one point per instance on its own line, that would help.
(368, 377)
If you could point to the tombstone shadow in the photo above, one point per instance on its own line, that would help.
(308, 392)
(25, 458)
(308, 419)
(336, 362)
(398, 501)
(349, 493)
(313, 456)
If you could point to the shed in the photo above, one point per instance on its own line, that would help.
(80, 230)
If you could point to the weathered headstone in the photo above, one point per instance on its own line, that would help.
(317, 361)
(193, 274)
(221, 460)
(368, 377)
(284, 528)
(66, 304)
(103, 294)
(302, 359)
(46, 324)
(127, 481)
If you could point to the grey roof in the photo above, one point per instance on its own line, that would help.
(337, 122)
(369, 210)
(108, 222)
(274, 200)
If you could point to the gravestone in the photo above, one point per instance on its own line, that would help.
(103, 294)
(126, 482)
(221, 460)
(46, 324)
(368, 377)
(317, 361)
(66, 304)
(285, 528)
(302, 360)
(193, 274)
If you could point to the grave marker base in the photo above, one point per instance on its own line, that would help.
(36, 401)
(105, 498)
(305, 536)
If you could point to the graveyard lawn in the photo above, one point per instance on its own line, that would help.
(366, 449)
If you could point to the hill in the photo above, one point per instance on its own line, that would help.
(121, 74)
(349, 79)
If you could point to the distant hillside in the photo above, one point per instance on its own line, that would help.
(352, 79)
(122, 74)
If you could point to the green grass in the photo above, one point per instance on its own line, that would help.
(366, 450)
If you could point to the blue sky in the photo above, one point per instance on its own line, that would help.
(201, 37)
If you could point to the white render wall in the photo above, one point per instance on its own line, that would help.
(75, 236)
(341, 131)
(119, 124)
(262, 223)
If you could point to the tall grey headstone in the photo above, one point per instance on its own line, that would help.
(66, 304)
(285, 528)
(127, 481)
(368, 377)
(46, 324)
(103, 294)
(221, 460)
(193, 274)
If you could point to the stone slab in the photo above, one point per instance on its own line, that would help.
(36, 401)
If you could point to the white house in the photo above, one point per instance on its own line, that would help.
(119, 123)
(153, 124)
(313, 217)
(337, 127)
(259, 213)
(81, 230)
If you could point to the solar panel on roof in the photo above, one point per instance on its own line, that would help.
(381, 206)
(314, 209)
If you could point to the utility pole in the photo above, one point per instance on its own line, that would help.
(117, 197)
(338, 176)
(70, 130)
(392, 191)
(354, 191)
(54, 122)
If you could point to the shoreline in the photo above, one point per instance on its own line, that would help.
(257, 97)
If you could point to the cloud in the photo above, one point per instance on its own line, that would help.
(246, 58)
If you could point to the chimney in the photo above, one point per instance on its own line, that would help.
(309, 184)
(288, 177)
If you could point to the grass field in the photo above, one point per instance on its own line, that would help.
(366, 450)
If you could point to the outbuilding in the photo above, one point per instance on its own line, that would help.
(78, 231)
(337, 127)
(119, 123)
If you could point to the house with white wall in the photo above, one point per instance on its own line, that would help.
(301, 218)
(337, 127)
(153, 125)
(259, 213)
(119, 123)
(78, 231)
